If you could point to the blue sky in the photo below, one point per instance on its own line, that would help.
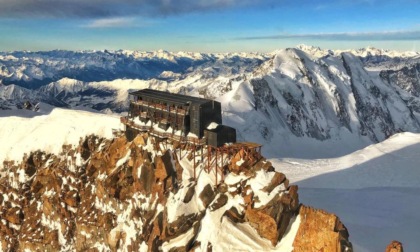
(208, 25)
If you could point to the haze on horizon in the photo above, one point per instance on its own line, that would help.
(208, 25)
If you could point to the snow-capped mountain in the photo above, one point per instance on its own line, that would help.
(34, 69)
(323, 96)
(361, 96)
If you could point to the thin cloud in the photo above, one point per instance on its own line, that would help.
(97, 9)
(112, 8)
(114, 23)
(351, 36)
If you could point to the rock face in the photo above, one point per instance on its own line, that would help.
(115, 195)
(320, 231)
(394, 246)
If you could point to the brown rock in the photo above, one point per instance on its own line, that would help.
(286, 183)
(234, 215)
(46, 179)
(207, 195)
(263, 223)
(248, 195)
(14, 215)
(87, 146)
(117, 150)
(222, 187)
(293, 192)
(182, 224)
(209, 247)
(140, 139)
(233, 166)
(268, 167)
(72, 198)
(286, 199)
(189, 194)
(107, 221)
(51, 238)
(179, 170)
(394, 246)
(219, 202)
(155, 236)
(147, 177)
(190, 244)
(277, 180)
(259, 165)
(164, 166)
(281, 214)
(112, 239)
(317, 232)
(195, 246)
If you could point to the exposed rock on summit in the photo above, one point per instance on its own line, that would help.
(115, 195)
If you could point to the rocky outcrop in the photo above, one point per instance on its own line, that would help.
(394, 246)
(320, 231)
(117, 195)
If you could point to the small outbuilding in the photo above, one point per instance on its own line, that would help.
(220, 135)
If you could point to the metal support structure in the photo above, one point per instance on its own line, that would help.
(223, 168)
(216, 166)
(195, 175)
(251, 151)
(201, 154)
(208, 157)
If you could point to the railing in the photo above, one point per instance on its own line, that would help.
(143, 114)
(130, 123)
(161, 107)
(160, 134)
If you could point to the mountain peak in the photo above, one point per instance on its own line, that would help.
(373, 51)
(66, 81)
(314, 50)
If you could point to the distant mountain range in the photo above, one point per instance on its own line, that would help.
(302, 92)
(35, 69)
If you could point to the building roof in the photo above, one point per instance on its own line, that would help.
(214, 127)
(169, 97)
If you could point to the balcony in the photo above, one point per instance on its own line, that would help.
(162, 134)
(161, 107)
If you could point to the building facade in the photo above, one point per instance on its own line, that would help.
(180, 114)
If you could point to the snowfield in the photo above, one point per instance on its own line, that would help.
(375, 191)
(23, 131)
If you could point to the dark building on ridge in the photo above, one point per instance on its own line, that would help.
(187, 115)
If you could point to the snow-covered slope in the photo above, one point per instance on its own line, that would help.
(370, 56)
(23, 131)
(375, 190)
(324, 97)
